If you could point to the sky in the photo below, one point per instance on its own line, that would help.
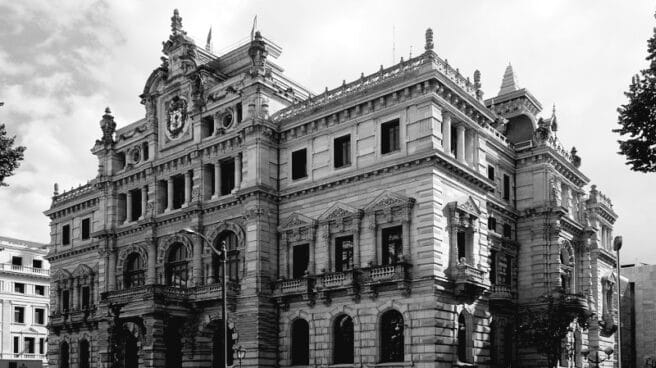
(63, 62)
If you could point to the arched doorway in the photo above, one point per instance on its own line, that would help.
(218, 347)
(64, 355)
(84, 354)
(131, 351)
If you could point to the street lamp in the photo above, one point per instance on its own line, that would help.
(595, 356)
(617, 245)
(222, 256)
(241, 353)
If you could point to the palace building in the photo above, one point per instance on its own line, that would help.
(400, 219)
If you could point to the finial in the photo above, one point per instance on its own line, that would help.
(208, 44)
(509, 82)
(176, 23)
(477, 78)
(108, 111)
(108, 126)
(429, 40)
(56, 190)
(554, 121)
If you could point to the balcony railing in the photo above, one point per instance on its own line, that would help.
(386, 273)
(197, 293)
(337, 280)
(24, 356)
(295, 286)
(24, 269)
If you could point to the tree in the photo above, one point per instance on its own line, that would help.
(10, 156)
(637, 118)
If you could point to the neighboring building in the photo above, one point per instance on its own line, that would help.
(24, 291)
(399, 219)
(639, 316)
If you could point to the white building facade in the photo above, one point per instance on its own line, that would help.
(24, 291)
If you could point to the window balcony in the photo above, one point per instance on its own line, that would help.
(469, 279)
(396, 276)
(8, 267)
(501, 295)
(347, 282)
(302, 288)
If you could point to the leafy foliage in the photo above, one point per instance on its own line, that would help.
(637, 118)
(10, 156)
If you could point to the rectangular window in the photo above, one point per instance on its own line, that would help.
(208, 181)
(507, 231)
(392, 244)
(66, 234)
(342, 151)
(492, 224)
(301, 260)
(16, 344)
(239, 113)
(39, 316)
(462, 245)
(506, 186)
(144, 149)
(19, 314)
(86, 228)
(389, 137)
(299, 164)
(86, 297)
(493, 266)
(29, 345)
(135, 197)
(39, 290)
(344, 253)
(454, 140)
(490, 172)
(37, 263)
(206, 126)
(227, 176)
(42, 345)
(17, 261)
(19, 287)
(178, 191)
(65, 300)
(162, 196)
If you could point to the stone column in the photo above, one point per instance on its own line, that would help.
(152, 261)
(187, 188)
(446, 132)
(237, 171)
(284, 256)
(217, 180)
(469, 146)
(72, 286)
(311, 254)
(374, 236)
(128, 207)
(405, 226)
(169, 196)
(111, 271)
(327, 247)
(198, 261)
(356, 243)
(460, 154)
(92, 290)
(144, 200)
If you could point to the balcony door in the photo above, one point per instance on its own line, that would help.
(301, 260)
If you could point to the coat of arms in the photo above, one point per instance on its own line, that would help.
(177, 118)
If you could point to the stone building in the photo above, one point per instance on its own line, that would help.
(24, 310)
(638, 315)
(398, 219)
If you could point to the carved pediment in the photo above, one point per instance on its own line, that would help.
(468, 206)
(387, 200)
(339, 211)
(296, 220)
(61, 275)
(82, 270)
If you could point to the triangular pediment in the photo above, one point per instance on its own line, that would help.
(388, 200)
(61, 274)
(296, 220)
(82, 270)
(338, 211)
(468, 205)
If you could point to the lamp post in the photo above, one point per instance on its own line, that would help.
(595, 354)
(617, 245)
(241, 353)
(222, 257)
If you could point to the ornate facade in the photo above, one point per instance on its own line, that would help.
(399, 219)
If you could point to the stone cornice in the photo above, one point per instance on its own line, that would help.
(545, 154)
(55, 256)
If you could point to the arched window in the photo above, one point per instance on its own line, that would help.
(176, 266)
(343, 337)
(391, 337)
(464, 348)
(300, 342)
(232, 248)
(84, 354)
(64, 355)
(134, 271)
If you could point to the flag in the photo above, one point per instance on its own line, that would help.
(254, 27)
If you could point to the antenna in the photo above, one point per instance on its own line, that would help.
(393, 44)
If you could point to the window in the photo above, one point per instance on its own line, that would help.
(206, 126)
(344, 253)
(17, 261)
(19, 314)
(144, 149)
(39, 316)
(178, 191)
(506, 187)
(389, 137)
(301, 259)
(239, 112)
(507, 231)
(86, 297)
(494, 346)
(218, 347)
(492, 224)
(209, 181)
(64, 355)
(342, 151)
(300, 342)
(135, 197)
(42, 345)
(507, 272)
(133, 274)
(13, 365)
(392, 245)
(176, 266)
(29, 345)
(343, 338)
(454, 140)
(227, 176)
(490, 172)
(39, 290)
(231, 245)
(37, 263)
(391, 337)
(299, 164)
(66, 234)
(84, 354)
(65, 300)
(16, 344)
(86, 229)
(462, 245)
(19, 287)
(121, 160)
(162, 196)
(493, 266)
(463, 355)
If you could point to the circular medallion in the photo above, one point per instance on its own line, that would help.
(135, 155)
(226, 120)
(176, 121)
